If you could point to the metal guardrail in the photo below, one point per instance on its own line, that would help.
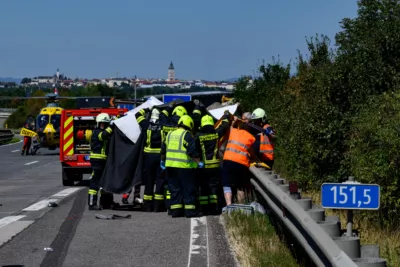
(6, 136)
(320, 236)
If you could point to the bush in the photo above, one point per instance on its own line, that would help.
(339, 114)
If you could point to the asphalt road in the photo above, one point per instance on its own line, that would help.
(33, 234)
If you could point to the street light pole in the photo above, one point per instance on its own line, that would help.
(134, 87)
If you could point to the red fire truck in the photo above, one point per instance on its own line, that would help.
(75, 134)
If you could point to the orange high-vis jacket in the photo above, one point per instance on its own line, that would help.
(266, 147)
(237, 149)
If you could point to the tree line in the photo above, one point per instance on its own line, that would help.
(26, 107)
(339, 114)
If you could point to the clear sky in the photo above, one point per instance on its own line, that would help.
(209, 39)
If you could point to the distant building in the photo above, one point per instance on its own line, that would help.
(171, 72)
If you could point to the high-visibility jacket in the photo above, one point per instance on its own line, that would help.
(98, 143)
(153, 139)
(176, 156)
(208, 142)
(266, 147)
(209, 149)
(165, 129)
(237, 148)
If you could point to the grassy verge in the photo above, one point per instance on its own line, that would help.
(12, 141)
(255, 241)
(370, 233)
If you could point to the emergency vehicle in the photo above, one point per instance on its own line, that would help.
(75, 134)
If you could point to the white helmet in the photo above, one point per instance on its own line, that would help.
(155, 115)
(103, 117)
(258, 113)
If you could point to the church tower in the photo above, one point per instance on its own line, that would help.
(171, 72)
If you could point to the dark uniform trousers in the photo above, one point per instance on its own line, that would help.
(209, 190)
(182, 185)
(153, 174)
(106, 199)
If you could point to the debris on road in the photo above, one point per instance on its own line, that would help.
(112, 216)
(52, 204)
(48, 249)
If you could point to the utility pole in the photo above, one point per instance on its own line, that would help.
(134, 87)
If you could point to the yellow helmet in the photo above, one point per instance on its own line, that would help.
(207, 120)
(187, 121)
(179, 111)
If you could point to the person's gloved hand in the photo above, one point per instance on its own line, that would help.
(268, 131)
(162, 165)
(200, 164)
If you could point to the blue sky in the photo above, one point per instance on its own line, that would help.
(206, 39)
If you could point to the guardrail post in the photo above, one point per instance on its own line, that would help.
(349, 226)
(322, 237)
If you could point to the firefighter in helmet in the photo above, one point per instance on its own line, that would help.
(180, 157)
(98, 157)
(264, 144)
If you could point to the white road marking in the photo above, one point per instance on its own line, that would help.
(11, 230)
(198, 247)
(40, 205)
(10, 219)
(15, 150)
(33, 162)
(66, 192)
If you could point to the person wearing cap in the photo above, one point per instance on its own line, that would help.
(264, 146)
(207, 142)
(180, 158)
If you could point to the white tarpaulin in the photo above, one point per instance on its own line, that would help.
(219, 112)
(128, 124)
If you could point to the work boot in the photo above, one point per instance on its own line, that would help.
(159, 206)
(92, 203)
(147, 206)
(22, 152)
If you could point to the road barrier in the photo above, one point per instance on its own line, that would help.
(320, 237)
(6, 136)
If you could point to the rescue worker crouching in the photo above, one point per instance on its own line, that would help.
(236, 162)
(98, 158)
(180, 157)
(207, 139)
(264, 144)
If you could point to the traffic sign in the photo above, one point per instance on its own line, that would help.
(350, 196)
(169, 98)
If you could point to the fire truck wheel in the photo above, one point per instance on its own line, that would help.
(67, 178)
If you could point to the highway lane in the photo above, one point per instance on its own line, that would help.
(77, 238)
(26, 179)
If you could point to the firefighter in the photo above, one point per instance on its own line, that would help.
(180, 157)
(264, 146)
(207, 142)
(152, 149)
(98, 158)
(236, 162)
(168, 124)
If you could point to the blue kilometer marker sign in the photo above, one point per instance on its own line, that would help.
(350, 196)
